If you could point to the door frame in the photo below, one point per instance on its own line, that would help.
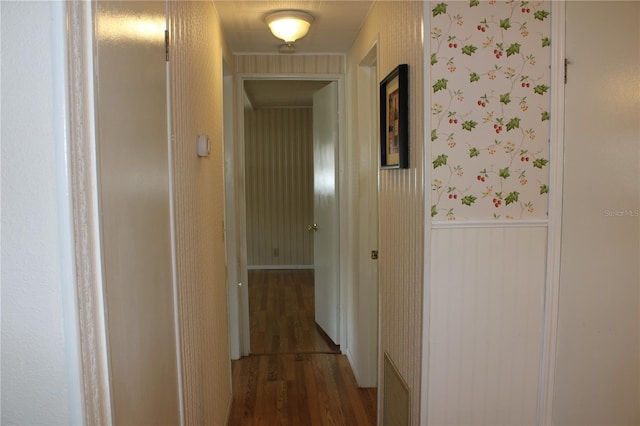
(83, 172)
(554, 227)
(365, 358)
(83, 178)
(241, 342)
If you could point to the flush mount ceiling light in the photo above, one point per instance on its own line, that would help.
(289, 25)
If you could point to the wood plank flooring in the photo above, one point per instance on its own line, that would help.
(282, 318)
(295, 375)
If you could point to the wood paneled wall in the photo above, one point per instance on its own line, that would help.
(398, 26)
(293, 64)
(196, 53)
(279, 187)
(486, 307)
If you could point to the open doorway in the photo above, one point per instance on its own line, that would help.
(291, 182)
(357, 307)
(292, 222)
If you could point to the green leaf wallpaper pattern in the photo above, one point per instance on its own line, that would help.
(490, 75)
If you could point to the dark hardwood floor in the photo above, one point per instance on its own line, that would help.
(295, 375)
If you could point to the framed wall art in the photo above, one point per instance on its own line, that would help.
(394, 119)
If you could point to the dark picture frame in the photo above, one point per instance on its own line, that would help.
(394, 119)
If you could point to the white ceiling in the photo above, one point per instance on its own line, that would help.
(282, 93)
(335, 27)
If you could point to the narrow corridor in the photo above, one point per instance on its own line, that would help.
(295, 375)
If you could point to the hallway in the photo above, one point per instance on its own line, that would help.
(294, 375)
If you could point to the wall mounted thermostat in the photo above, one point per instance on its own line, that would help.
(203, 146)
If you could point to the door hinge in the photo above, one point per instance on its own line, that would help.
(374, 254)
(566, 63)
(166, 45)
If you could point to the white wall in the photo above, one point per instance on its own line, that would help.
(40, 367)
(486, 334)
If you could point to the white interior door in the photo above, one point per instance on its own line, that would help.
(133, 159)
(597, 370)
(325, 211)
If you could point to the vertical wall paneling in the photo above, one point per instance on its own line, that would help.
(487, 288)
(398, 27)
(279, 187)
(196, 72)
(290, 64)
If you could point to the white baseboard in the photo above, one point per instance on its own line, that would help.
(258, 267)
(353, 365)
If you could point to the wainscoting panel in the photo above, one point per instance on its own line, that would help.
(486, 320)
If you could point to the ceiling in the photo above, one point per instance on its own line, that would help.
(334, 29)
(282, 93)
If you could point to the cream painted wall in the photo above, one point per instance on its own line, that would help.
(598, 358)
(40, 365)
(279, 185)
(197, 49)
(398, 28)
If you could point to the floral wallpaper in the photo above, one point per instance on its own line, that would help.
(490, 84)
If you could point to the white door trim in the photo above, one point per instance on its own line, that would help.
(230, 224)
(239, 185)
(426, 279)
(365, 356)
(85, 213)
(554, 231)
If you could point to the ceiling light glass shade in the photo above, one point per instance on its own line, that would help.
(289, 25)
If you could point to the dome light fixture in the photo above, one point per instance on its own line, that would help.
(289, 25)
